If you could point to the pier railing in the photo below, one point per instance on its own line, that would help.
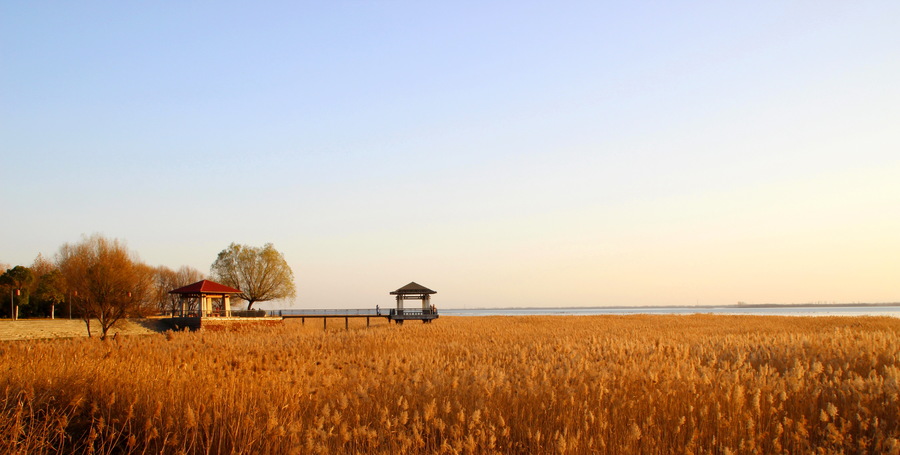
(353, 312)
(408, 312)
(245, 313)
(350, 312)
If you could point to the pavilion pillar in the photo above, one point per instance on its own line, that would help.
(227, 303)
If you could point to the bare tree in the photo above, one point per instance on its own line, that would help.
(108, 281)
(168, 279)
(164, 278)
(42, 265)
(143, 304)
(261, 274)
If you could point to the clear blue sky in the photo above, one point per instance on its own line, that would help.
(501, 153)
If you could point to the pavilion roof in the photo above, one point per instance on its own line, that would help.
(413, 288)
(205, 287)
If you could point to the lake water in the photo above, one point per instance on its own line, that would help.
(836, 310)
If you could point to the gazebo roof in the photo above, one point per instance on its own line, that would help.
(413, 288)
(205, 287)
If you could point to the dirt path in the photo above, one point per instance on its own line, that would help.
(26, 329)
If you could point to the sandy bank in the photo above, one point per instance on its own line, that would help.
(26, 329)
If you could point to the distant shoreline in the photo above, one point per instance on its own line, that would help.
(814, 305)
(855, 309)
(663, 307)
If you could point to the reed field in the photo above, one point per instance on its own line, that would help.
(637, 384)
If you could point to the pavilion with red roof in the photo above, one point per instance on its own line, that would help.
(208, 292)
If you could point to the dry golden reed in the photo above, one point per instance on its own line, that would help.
(537, 385)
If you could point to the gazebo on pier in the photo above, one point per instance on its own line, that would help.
(214, 298)
(413, 291)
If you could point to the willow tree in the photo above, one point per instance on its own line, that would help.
(107, 282)
(261, 274)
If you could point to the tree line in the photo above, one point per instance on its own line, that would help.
(99, 279)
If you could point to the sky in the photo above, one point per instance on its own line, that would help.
(503, 153)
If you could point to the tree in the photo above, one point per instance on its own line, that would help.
(49, 289)
(17, 279)
(261, 274)
(145, 306)
(109, 282)
(42, 266)
(168, 279)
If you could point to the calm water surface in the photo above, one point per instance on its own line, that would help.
(837, 310)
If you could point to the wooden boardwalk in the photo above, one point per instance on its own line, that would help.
(215, 306)
(391, 314)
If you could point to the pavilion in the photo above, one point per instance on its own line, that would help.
(214, 298)
(414, 291)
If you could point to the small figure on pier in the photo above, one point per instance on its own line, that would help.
(378, 310)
